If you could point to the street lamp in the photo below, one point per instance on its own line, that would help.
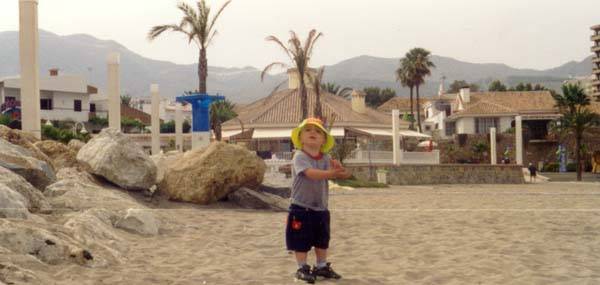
(83, 130)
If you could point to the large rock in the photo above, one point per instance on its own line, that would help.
(119, 160)
(12, 204)
(37, 203)
(207, 175)
(60, 155)
(23, 139)
(22, 161)
(251, 199)
(75, 145)
(161, 161)
(24, 238)
(139, 221)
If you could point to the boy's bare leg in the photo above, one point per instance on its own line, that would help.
(321, 255)
(301, 257)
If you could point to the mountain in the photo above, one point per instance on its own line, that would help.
(85, 55)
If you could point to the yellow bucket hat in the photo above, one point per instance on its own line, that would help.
(329, 142)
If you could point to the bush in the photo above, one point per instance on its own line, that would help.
(572, 167)
(551, 167)
(5, 120)
(101, 122)
(64, 136)
(355, 183)
(169, 127)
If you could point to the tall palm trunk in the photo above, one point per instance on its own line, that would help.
(218, 132)
(418, 110)
(202, 71)
(412, 114)
(318, 108)
(303, 99)
(578, 138)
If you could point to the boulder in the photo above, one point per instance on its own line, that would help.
(161, 161)
(23, 238)
(60, 155)
(251, 199)
(75, 145)
(22, 161)
(207, 175)
(139, 221)
(119, 160)
(12, 204)
(14, 274)
(36, 201)
(23, 139)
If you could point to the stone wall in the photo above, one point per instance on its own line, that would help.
(442, 174)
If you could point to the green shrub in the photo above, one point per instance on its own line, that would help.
(101, 122)
(572, 167)
(5, 120)
(551, 167)
(355, 183)
(61, 135)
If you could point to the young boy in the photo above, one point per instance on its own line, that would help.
(308, 219)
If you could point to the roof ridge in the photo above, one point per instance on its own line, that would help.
(484, 101)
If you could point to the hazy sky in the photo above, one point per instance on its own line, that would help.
(522, 33)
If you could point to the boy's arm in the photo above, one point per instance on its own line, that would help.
(318, 174)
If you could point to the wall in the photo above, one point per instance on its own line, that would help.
(442, 174)
(505, 124)
(465, 126)
(63, 107)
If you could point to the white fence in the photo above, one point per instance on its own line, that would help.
(363, 156)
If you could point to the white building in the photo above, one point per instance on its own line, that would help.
(62, 97)
(166, 110)
(476, 112)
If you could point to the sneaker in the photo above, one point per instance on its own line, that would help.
(304, 274)
(326, 272)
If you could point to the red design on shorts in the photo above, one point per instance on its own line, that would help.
(296, 225)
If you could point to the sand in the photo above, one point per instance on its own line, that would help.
(473, 234)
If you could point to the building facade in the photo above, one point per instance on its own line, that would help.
(62, 97)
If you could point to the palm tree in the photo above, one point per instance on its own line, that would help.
(317, 88)
(198, 28)
(577, 118)
(420, 66)
(220, 112)
(404, 74)
(300, 56)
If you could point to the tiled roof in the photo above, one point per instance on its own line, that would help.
(401, 103)
(283, 108)
(493, 103)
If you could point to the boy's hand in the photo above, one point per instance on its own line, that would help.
(335, 164)
(337, 173)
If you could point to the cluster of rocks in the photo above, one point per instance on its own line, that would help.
(87, 189)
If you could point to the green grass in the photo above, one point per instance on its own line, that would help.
(360, 183)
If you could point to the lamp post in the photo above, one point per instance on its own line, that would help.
(83, 130)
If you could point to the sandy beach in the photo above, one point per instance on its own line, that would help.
(460, 234)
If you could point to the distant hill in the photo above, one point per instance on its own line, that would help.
(85, 55)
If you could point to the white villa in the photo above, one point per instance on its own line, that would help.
(166, 108)
(62, 97)
(469, 112)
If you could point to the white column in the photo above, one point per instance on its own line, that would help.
(519, 139)
(493, 146)
(114, 91)
(29, 60)
(397, 152)
(155, 119)
(178, 128)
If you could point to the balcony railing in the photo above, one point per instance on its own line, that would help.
(595, 38)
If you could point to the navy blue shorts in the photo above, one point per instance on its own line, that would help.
(306, 228)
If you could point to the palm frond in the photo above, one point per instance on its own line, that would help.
(279, 43)
(269, 67)
(158, 30)
(214, 19)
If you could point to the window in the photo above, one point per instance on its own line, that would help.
(77, 105)
(46, 104)
(450, 128)
(437, 126)
(428, 128)
(483, 125)
(93, 108)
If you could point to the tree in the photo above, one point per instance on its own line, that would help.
(125, 99)
(420, 65)
(198, 28)
(377, 96)
(300, 56)
(404, 74)
(220, 112)
(496, 85)
(336, 90)
(576, 117)
(459, 84)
